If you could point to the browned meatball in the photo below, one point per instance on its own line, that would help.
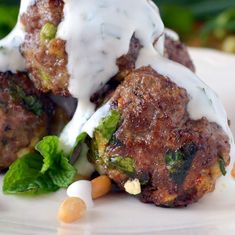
(24, 116)
(46, 57)
(176, 159)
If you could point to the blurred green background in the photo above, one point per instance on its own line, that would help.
(204, 23)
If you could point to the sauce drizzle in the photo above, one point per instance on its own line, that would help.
(99, 32)
(10, 56)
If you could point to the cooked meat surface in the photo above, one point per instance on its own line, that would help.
(24, 116)
(178, 52)
(46, 57)
(176, 159)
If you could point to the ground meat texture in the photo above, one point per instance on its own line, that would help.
(24, 116)
(46, 60)
(176, 159)
(178, 52)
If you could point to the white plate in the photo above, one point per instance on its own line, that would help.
(121, 214)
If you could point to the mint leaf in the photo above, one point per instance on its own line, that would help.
(42, 172)
(45, 184)
(63, 174)
(49, 149)
(24, 176)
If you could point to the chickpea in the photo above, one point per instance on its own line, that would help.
(101, 186)
(71, 210)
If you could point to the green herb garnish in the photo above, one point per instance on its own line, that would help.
(104, 132)
(174, 161)
(179, 162)
(124, 164)
(48, 32)
(108, 125)
(47, 170)
(45, 77)
(30, 102)
(222, 166)
(81, 138)
(24, 176)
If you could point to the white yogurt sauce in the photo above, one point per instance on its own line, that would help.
(10, 57)
(96, 34)
(99, 32)
(83, 190)
(95, 119)
(172, 34)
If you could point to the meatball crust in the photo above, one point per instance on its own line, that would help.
(46, 59)
(178, 157)
(24, 115)
(178, 52)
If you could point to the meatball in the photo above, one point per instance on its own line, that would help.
(150, 137)
(46, 57)
(24, 116)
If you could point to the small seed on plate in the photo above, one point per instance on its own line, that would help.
(71, 210)
(101, 186)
